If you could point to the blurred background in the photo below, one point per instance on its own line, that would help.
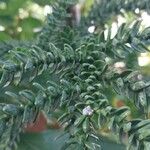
(23, 20)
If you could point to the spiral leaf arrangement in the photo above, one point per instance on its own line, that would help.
(79, 63)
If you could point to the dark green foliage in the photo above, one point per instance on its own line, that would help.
(78, 61)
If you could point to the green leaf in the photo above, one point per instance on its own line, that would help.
(135, 28)
(86, 125)
(11, 109)
(79, 120)
(138, 86)
(40, 99)
(28, 95)
(142, 100)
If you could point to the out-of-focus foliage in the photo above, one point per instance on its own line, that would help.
(47, 140)
(21, 19)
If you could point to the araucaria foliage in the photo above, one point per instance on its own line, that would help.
(69, 69)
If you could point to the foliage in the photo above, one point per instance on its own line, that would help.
(20, 19)
(68, 70)
(47, 140)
